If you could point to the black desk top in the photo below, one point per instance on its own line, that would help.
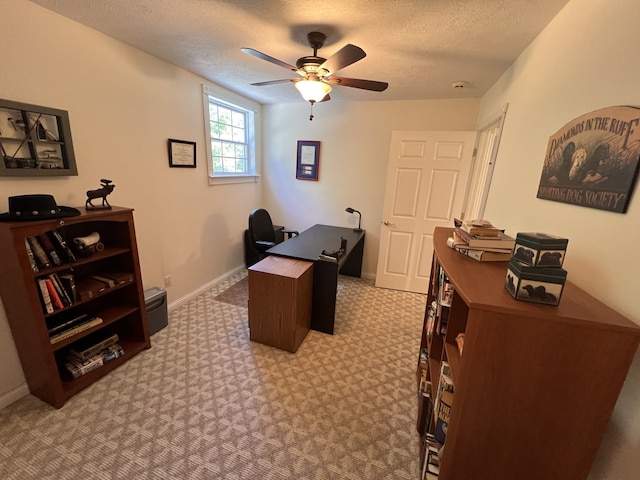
(310, 243)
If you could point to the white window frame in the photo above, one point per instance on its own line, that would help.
(254, 130)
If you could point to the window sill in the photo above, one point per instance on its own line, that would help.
(224, 180)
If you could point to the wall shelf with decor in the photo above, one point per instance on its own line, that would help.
(35, 141)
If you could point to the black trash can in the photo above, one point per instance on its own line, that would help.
(155, 300)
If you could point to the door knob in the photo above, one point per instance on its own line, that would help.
(389, 224)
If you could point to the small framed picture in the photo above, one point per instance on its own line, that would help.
(308, 160)
(182, 153)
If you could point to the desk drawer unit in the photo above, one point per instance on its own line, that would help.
(280, 292)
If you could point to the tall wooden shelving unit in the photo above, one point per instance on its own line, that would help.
(535, 386)
(122, 307)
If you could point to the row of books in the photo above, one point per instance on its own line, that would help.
(443, 305)
(47, 250)
(482, 241)
(70, 325)
(433, 416)
(443, 402)
(93, 285)
(425, 405)
(58, 291)
(432, 311)
(432, 452)
(92, 352)
(438, 310)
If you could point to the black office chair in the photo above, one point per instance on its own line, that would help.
(262, 235)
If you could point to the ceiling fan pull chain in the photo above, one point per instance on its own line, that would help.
(311, 116)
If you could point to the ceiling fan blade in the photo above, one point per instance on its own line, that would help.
(357, 83)
(273, 82)
(264, 56)
(342, 58)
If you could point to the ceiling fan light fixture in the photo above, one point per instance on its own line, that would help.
(313, 90)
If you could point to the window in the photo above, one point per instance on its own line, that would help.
(231, 133)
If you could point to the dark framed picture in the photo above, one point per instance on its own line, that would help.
(182, 153)
(308, 160)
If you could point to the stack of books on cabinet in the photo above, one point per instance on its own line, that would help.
(482, 241)
(74, 316)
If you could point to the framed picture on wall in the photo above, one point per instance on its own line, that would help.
(593, 160)
(35, 141)
(308, 160)
(182, 153)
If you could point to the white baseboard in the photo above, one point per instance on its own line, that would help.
(7, 398)
(185, 298)
(368, 276)
(189, 296)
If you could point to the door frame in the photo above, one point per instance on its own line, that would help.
(487, 144)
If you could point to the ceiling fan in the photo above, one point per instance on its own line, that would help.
(317, 74)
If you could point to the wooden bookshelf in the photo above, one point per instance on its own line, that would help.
(121, 307)
(535, 386)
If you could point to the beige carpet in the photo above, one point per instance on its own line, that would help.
(236, 294)
(207, 403)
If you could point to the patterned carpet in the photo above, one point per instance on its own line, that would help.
(206, 403)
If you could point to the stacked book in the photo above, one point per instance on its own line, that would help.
(482, 241)
(91, 353)
(70, 325)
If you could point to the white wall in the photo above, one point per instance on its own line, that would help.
(123, 106)
(585, 60)
(354, 152)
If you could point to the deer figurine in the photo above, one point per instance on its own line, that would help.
(102, 192)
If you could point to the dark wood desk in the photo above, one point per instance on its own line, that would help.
(308, 246)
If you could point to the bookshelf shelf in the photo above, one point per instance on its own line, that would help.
(524, 403)
(108, 315)
(121, 306)
(107, 253)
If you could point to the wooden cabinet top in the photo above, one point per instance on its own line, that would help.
(481, 286)
(114, 213)
(282, 266)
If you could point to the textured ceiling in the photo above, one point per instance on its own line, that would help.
(420, 47)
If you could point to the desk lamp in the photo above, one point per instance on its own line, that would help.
(351, 210)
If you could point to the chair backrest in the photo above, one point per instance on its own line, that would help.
(261, 226)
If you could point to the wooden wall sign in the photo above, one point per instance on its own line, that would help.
(593, 160)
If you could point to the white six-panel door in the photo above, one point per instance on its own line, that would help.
(426, 181)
